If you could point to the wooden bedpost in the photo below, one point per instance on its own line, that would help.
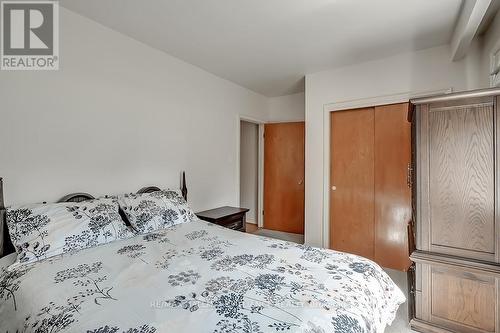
(6, 246)
(2, 220)
(2, 203)
(184, 189)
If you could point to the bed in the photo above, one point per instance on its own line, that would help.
(197, 277)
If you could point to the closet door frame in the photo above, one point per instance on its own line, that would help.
(403, 97)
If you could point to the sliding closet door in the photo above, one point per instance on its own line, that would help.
(370, 200)
(392, 191)
(352, 182)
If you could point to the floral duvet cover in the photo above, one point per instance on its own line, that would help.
(198, 277)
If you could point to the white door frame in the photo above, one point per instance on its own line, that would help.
(348, 105)
(260, 168)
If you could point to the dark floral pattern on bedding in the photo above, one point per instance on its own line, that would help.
(267, 291)
(346, 324)
(22, 222)
(9, 283)
(196, 234)
(148, 212)
(86, 276)
(57, 317)
(52, 318)
(235, 303)
(102, 226)
(115, 329)
(43, 231)
(133, 251)
(183, 278)
(211, 280)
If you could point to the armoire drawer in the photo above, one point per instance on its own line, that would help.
(456, 299)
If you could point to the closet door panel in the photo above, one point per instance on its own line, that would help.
(461, 181)
(392, 191)
(352, 182)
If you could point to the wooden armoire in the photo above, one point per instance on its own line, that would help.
(456, 140)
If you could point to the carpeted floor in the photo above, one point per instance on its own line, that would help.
(400, 324)
(286, 236)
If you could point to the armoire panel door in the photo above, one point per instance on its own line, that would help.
(352, 182)
(458, 180)
(392, 191)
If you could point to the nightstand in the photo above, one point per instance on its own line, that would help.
(228, 217)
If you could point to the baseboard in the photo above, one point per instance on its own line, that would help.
(424, 327)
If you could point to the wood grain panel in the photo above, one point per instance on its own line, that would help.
(461, 180)
(284, 150)
(392, 193)
(463, 299)
(352, 173)
(422, 177)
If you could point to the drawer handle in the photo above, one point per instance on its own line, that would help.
(232, 225)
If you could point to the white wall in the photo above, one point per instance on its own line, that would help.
(287, 108)
(421, 71)
(116, 116)
(249, 161)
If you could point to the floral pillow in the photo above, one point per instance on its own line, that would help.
(44, 230)
(148, 212)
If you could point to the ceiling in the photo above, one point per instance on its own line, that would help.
(269, 45)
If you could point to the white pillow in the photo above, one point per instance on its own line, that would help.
(44, 230)
(148, 212)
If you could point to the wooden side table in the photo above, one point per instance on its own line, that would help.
(228, 217)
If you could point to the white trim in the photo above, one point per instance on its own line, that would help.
(260, 198)
(381, 100)
(260, 168)
(285, 121)
(348, 105)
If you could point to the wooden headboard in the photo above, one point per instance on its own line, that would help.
(6, 246)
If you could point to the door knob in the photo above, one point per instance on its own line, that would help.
(334, 188)
(301, 182)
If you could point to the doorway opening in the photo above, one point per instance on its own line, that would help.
(284, 165)
(249, 171)
(271, 178)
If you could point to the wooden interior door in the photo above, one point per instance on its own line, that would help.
(284, 150)
(392, 193)
(352, 182)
